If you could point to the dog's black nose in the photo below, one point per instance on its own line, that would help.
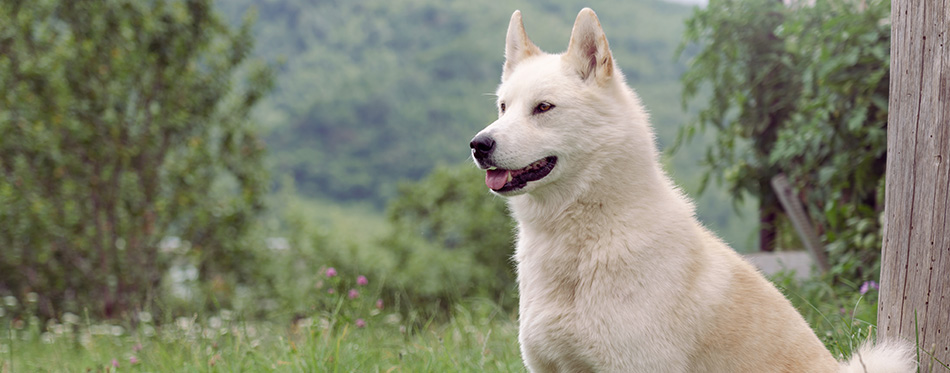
(482, 146)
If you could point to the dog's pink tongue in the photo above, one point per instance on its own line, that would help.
(496, 178)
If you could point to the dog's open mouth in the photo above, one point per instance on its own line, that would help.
(501, 180)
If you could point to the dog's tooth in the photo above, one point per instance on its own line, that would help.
(509, 177)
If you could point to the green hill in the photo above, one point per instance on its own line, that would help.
(374, 92)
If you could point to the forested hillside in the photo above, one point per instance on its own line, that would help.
(371, 93)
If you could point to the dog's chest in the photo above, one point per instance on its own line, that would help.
(580, 312)
(589, 331)
(553, 332)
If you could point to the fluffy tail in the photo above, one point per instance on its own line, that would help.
(887, 357)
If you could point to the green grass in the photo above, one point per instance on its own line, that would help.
(477, 338)
(842, 319)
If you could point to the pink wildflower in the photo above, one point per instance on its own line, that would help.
(353, 294)
(331, 291)
(868, 286)
(133, 360)
(379, 304)
(137, 347)
(360, 323)
(115, 363)
(362, 281)
(331, 272)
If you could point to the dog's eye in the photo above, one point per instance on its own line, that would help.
(503, 107)
(543, 107)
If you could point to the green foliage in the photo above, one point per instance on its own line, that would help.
(447, 240)
(753, 92)
(834, 146)
(120, 129)
(818, 76)
(452, 240)
(753, 88)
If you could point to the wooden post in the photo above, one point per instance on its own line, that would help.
(915, 263)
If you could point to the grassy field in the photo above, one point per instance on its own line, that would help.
(477, 338)
(341, 332)
(355, 335)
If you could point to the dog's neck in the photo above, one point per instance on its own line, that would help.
(582, 230)
(639, 197)
(642, 186)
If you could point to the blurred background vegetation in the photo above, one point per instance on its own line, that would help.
(182, 156)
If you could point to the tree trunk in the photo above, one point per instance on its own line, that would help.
(768, 216)
(915, 262)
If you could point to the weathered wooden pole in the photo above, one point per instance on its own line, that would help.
(915, 263)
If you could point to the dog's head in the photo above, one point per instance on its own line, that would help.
(552, 109)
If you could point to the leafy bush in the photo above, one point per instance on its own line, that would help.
(448, 240)
(806, 88)
(452, 240)
(753, 92)
(120, 128)
(834, 145)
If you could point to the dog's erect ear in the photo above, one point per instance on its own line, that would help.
(517, 45)
(588, 51)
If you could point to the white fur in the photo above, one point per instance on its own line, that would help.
(615, 273)
(884, 357)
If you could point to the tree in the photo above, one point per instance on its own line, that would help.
(754, 91)
(830, 63)
(834, 144)
(121, 134)
(915, 287)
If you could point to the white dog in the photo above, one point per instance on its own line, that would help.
(615, 273)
